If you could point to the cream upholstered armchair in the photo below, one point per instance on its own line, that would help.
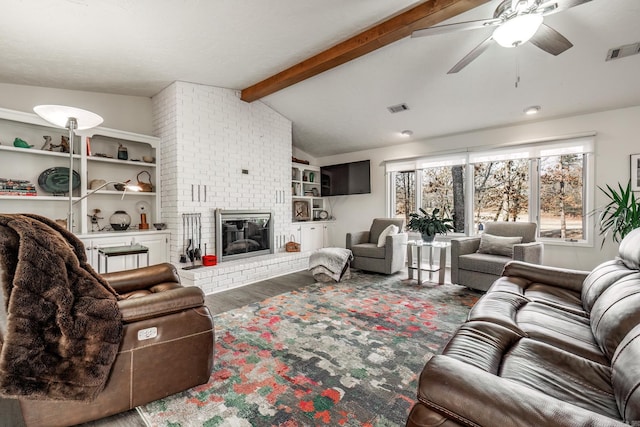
(381, 255)
(476, 262)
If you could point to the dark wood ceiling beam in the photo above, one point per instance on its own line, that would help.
(397, 27)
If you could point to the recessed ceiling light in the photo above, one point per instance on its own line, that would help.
(406, 133)
(535, 109)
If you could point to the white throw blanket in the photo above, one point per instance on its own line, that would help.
(332, 262)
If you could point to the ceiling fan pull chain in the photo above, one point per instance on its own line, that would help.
(517, 69)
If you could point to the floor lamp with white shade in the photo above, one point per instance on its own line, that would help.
(73, 119)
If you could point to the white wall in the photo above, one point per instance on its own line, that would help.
(617, 136)
(209, 136)
(130, 113)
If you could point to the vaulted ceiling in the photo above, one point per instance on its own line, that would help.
(138, 47)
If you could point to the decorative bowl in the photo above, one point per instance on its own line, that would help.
(148, 159)
(160, 225)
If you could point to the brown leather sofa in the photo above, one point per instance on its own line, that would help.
(167, 347)
(544, 347)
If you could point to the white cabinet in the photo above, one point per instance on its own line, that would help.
(156, 241)
(158, 244)
(95, 158)
(312, 235)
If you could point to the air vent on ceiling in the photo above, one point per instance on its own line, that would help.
(622, 51)
(397, 108)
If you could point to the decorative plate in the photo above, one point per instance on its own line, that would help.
(56, 180)
(323, 214)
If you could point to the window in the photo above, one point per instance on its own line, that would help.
(501, 191)
(562, 213)
(546, 183)
(405, 194)
(443, 188)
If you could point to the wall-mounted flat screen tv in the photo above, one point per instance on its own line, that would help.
(346, 178)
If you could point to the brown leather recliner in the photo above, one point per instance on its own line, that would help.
(167, 347)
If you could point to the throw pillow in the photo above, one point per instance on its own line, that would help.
(389, 231)
(498, 245)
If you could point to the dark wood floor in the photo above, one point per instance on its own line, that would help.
(10, 415)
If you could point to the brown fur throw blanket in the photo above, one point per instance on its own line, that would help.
(63, 323)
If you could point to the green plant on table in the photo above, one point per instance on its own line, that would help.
(620, 215)
(429, 224)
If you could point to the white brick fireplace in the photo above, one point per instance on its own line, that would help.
(218, 151)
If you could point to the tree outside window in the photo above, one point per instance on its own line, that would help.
(405, 194)
(443, 188)
(561, 197)
(501, 191)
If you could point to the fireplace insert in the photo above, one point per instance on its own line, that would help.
(241, 234)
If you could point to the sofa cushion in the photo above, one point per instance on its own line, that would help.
(526, 230)
(568, 378)
(563, 329)
(389, 231)
(368, 250)
(626, 384)
(616, 312)
(481, 344)
(554, 296)
(498, 245)
(539, 366)
(629, 250)
(483, 263)
(601, 279)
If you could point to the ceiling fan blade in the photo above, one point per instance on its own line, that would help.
(555, 6)
(472, 55)
(459, 26)
(549, 40)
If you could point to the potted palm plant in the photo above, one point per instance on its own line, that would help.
(620, 215)
(429, 224)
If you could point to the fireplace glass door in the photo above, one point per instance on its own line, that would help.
(242, 233)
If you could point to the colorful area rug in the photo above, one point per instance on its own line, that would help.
(345, 354)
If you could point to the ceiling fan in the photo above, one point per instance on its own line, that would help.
(516, 22)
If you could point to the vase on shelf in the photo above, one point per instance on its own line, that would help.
(120, 220)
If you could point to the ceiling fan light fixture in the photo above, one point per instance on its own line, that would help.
(406, 133)
(518, 30)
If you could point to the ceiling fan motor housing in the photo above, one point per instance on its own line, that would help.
(509, 8)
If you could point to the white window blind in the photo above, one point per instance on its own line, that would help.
(440, 161)
(426, 162)
(568, 146)
(579, 145)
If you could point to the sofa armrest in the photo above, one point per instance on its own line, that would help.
(472, 396)
(395, 251)
(561, 277)
(528, 252)
(461, 246)
(142, 278)
(396, 241)
(357, 238)
(160, 303)
(464, 246)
